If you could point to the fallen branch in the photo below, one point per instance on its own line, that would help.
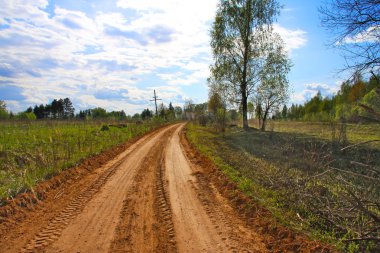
(365, 165)
(356, 174)
(362, 239)
(357, 144)
(321, 174)
(363, 209)
(369, 109)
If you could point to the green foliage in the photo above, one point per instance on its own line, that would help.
(57, 109)
(105, 128)
(273, 91)
(178, 112)
(238, 41)
(372, 101)
(170, 113)
(98, 113)
(3, 111)
(346, 105)
(146, 114)
(26, 116)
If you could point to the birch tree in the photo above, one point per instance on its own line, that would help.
(237, 39)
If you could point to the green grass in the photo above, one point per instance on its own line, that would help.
(282, 170)
(33, 151)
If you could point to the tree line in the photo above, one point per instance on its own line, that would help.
(63, 109)
(357, 100)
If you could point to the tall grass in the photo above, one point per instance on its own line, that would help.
(33, 151)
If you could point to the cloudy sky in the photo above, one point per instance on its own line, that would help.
(114, 53)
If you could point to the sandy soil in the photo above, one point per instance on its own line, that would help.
(155, 194)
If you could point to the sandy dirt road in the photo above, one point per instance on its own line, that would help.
(150, 198)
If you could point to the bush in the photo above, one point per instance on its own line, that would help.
(3, 114)
(203, 120)
(105, 128)
(26, 116)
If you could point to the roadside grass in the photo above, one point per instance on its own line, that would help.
(33, 151)
(305, 180)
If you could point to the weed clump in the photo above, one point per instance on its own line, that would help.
(105, 128)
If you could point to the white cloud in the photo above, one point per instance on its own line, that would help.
(311, 89)
(302, 97)
(324, 88)
(23, 9)
(371, 35)
(15, 105)
(75, 54)
(293, 39)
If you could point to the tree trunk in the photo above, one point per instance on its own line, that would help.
(264, 120)
(245, 108)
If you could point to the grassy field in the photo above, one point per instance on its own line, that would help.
(33, 151)
(300, 173)
(322, 130)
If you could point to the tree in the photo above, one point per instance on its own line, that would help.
(29, 110)
(39, 111)
(188, 109)
(274, 87)
(3, 110)
(284, 113)
(81, 114)
(55, 108)
(98, 113)
(68, 108)
(178, 112)
(314, 104)
(218, 102)
(136, 117)
(237, 37)
(201, 113)
(355, 26)
(259, 112)
(117, 115)
(146, 114)
(214, 102)
(370, 105)
(251, 109)
(162, 111)
(26, 116)
(170, 112)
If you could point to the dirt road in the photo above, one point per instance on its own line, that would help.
(153, 197)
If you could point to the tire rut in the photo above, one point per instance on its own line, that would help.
(53, 230)
(164, 210)
(145, 223)
(225, 225)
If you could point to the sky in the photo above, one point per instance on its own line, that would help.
(114, 53)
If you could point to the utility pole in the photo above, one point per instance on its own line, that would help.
(155, 98)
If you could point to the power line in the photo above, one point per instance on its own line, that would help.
(155, 98)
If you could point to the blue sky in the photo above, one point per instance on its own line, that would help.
(114, 53)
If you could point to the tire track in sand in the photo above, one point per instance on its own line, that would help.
(195, 231)
(89, 222)
(145, 223)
